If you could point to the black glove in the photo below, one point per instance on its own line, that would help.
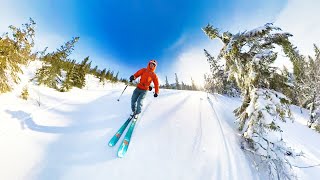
(155, 95)
(150, 88)
(131, 78)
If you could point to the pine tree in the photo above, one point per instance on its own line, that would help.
(249, 56)
(94, 71)
(111, 75)
(167, 85)
(289, 88)
(102, 76)
(305, 82)
(25, 93)
(15, 50)
(80, 73)
(178, 87)
(299, 65)
(218, 80)
(183, 86)
(193, 85)
(125, 81)
(68, 82)
(108, 75)
(115, 79)
(50, 74)
(309, 88)
(208, 83)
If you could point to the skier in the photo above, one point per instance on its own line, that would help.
(147, 75)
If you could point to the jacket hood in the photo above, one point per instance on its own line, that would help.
(154, 68)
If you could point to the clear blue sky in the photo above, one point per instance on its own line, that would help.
(131, 32)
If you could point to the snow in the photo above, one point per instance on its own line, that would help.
(181, 135)
(260, 30)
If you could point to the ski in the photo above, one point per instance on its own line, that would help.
(113, 141)
(125, 143)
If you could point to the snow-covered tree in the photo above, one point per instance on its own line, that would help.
(306, 83)
(249, 56)
(217, 81)
(289, 88)
(193, 85)
(208, 83)
(299, 64)
(214, 80)
(183, 86)
(309, 88)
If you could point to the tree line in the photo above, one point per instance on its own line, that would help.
(58, 70)
(180, 85)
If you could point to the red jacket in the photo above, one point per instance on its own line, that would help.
(147, 75)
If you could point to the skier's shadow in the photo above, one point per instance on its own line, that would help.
(25, 120)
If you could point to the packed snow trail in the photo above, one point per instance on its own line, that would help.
(179, 135)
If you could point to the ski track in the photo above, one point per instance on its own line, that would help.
(226, 175)
(198, 137)
(233, 161)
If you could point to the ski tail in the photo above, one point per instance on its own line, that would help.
(113, 141)
(126, 141)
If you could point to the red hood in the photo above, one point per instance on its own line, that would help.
(151, 69)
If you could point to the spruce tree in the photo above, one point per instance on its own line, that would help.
(115, 79)
(309, 88)
(108, 75)
(218, 81)
(25, 93)
(81, 71)
(50, 74)
(102, 76)
(94, 71)
(15, 50)
(68, 82)
(167, 85)
(299, 65)
(193, 85)
(249, 56)
(183, 86)
(178, 87)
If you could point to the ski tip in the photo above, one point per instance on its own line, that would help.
(110, 144)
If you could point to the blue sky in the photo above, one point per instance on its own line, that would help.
(124, 35)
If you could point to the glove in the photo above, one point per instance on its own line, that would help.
(150, 88)
(155, 95)
(131, 78)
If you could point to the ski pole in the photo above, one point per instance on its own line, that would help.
(122, 92)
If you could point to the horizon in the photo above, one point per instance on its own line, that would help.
(124, 37)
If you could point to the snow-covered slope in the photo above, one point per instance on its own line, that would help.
(180, 135)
